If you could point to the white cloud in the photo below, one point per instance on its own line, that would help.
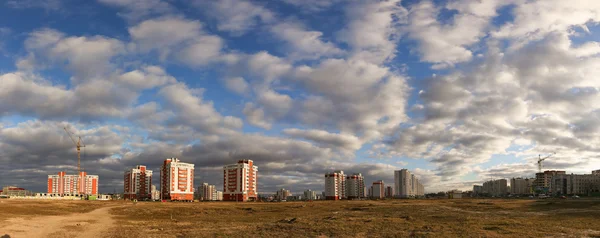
(235, 16)
(86, 57)
(304, 44)
(147, 77)
(191, 110)
(372, 30)
(447, 44)
(256, 116)
(533, 20)
(237, 85)
(346, 143)
(178, 37)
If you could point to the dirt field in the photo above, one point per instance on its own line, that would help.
(392, 218)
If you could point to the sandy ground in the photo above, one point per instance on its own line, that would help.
(92, 224)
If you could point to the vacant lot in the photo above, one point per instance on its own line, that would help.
(404, 218)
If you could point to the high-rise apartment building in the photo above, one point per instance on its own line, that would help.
(310, 195)
(521, 186)
(596, 172)
(355, 186)
(83, 184)
(335, 185)
(137, 183)
(177, 180)
(282, 194)
(207, 192)
(407, 184)
(377, 190)
(496, 188)
(240, 181)
(155, 193)
(477, 189)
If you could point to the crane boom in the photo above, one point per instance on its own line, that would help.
(540, 159)
(78, 144)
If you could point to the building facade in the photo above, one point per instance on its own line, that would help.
(155, 193)
(521, 186)
(477, 190)
(496, 188)
(137, 183)
(335, 185)
(282, 194)
(389, 192)
(83, 184)
(355, 186)
(240, 181)
(310, 195)
(177, 180)
(575, 184)
(207, 192)
(542, 181)
(377, 190)
(407, 185)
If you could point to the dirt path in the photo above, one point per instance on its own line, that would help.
(96, 223)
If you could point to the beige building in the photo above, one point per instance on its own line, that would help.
(571, 184)
(377, 190)
(282, 194)
(542, 181)
(407, 184)
(355, 186)
(521, 186)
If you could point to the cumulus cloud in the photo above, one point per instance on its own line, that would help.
(447, 44)
(235, 16)
(373, 29)
(303, 43)
(533, 20)
(85, 57)
(178, 37)
(348, 143)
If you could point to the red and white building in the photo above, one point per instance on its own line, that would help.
(335, 185)
(64, 184)
(137, 183)
(177, 180)
(240, 181)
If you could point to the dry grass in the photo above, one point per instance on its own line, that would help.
(10, 208)
(390, 218)
(399, 218)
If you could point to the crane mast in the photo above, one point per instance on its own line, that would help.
(78, 144)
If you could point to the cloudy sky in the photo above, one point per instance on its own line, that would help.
(457, 91)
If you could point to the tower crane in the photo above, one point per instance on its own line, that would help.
(540, 159)
(79, 143)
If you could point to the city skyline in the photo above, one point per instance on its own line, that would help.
(456, 91)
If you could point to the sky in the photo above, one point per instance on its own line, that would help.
(456, 91)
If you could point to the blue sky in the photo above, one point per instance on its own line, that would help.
(448, 89)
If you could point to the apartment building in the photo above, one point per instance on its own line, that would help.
(542, 181)
(407, 184)
(310, 195)
(282, 194)
(207, 192)
(137, 183)
(335, 185)
(575, 184)
(177, 180)
(521, 186)
(389, 192)
(355, 186)
(477, 190)
(64, 184)
(496, 188)
(240, 181)
(377, 190)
